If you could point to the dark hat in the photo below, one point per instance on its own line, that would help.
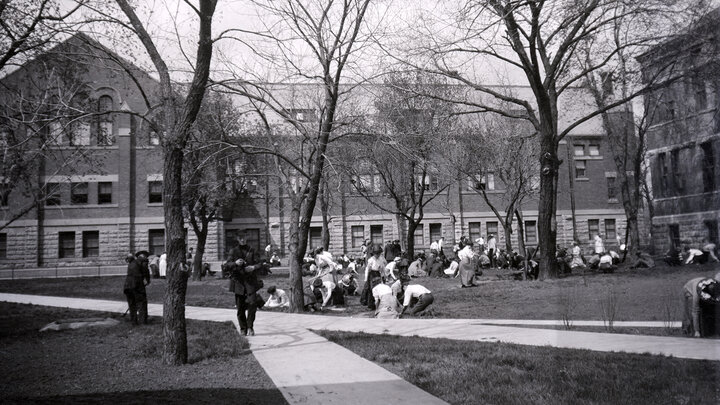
(129, 257)
(317, 283)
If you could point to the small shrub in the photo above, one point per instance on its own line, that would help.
(609, 306)
(567, 302)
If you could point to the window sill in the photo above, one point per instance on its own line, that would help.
(68, 206)
(90, 147)
(613, 200)
(582, 179)
(155, 204)
(588, 157)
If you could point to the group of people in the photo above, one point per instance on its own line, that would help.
(689, 255)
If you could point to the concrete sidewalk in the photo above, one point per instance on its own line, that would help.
(308, 368)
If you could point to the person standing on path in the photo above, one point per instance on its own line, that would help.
(245, 284)
(138, 276)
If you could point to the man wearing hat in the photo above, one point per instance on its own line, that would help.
(138, 276)
(491, 244)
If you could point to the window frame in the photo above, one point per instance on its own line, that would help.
(419, 235)
(533, 226)
(474, 233)
(610, 231)
(376, 234)
(593, 228)
(66, 245)
(580, 172)
(91, 250)
(356, 240)
(491, 227)
(708, 167)
(79, 198)
(153, 195)
(611, 187)
(153, 234)
(104, 198)
(3, 245)
(53, 194)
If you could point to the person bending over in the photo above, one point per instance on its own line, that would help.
(386, 304)
(696, 292)
(277, 299)
(416, 297)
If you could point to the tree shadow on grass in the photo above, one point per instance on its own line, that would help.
(185, 396)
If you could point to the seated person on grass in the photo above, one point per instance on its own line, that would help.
(417, 267)
(416, 297)
(275, 259)
(277, 298)
(644, 261)
(310, 298)
(698, 294)
(452, 271)
(386, 304)
(349, 284)
(606, 263)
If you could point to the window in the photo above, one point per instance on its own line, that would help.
(700, 95)
(678, 181)
(52, 194)
(594, 150)
(252, 238)
(105, 193)
(670, 110)
(434, 183)
(530, 232)
(80, 134)
(315, 237)
(610, 229)
(66, 245)
(376, 234)
(593, 228)
(4, 194)
(357, 233)
(55, 133)
(579, 150)
(303, 114)
(377, 183)
(674, 235)
(481, 182)
(418, 236)
(611, 187)
(475, 230)
(363, 183)
(3, 246)
(155, 190)
(435, 232)
(230, 240)
(708, 167)
(78, 193)
(491, 228)
(156, 241)
(579, 169)
(662, 166)
(91, 243)
(105, 134)
(712, 231)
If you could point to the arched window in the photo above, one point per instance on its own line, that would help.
(106, 134)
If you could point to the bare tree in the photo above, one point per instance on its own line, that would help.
(539, 40)
(499, 154)
(315, 43)
(178, 117)
(397, 164)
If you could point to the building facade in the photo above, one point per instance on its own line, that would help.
(683, 140)
(109, 202)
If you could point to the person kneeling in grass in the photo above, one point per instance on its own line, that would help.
(386, 304)
(416, 297)
(277, 299)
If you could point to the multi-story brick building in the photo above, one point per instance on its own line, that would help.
(683, 141)
(112, 203)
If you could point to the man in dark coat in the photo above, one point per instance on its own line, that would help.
(138, 276)
(389, 251)
(245, 285)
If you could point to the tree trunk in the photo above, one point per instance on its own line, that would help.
(521, 233)
(325, 211)
(412, 226)
(507, 227)
(295, 258)
(547, 223)
(174, 328)
(199, 252)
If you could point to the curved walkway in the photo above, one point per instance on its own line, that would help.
(309, 369)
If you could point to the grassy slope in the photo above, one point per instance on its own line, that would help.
(641, 294)
(122, 363)
(496, 373)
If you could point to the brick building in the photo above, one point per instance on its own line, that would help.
(111, 202)
(684, 139)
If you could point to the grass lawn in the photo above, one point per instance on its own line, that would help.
(635, 294)
(121, 363)
(498, 373)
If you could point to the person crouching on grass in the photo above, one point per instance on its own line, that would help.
(701, 295)
(416, 297)
(277, 299)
